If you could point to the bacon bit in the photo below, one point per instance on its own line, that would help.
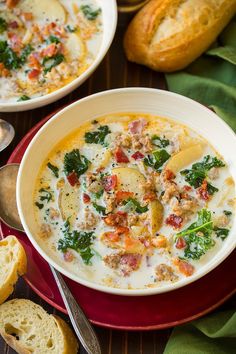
(28, 16)
(187, 188)
(3, 71)
(184, 267)
(72, 178)
(122, 195)
(137, 126)
(36, 31)
(174, 221)
(117, 219)
(131, 243)
(16, 42)
(137, 155)
(49, 51)
(131, 260)
(181, 243)
(169, 175)
(150, 196)
(33, 74)
(68, 256)
(86, 198)
(184, 195)
(13, 24)
(112, 236)
(159, 241)
(11, 3)
(122, 230)
(33, 61)
(109, 182)
(120, 156)
(203, 192)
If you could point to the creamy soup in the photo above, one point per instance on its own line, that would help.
(45, 44)
(133, 201)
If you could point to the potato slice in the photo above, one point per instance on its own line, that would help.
(156, 215)
(68, 202)
(184, 158)
(129, 180)
(44, 10)
(75, 47)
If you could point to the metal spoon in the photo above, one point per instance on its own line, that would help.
(7, 134)
(9, 215)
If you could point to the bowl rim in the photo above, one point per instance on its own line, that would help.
(93, 285)
(66, 89)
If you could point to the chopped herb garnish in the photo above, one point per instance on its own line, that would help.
(46, 194)
(23, 98)
(221, 232)
(99, 208)
(10, 59)
(25, 53)
(89, 13)
(54, 169)
(98, 194)
(78, 241)
(53, 39)
(39, 205)
(227, 212)
(51, 62)
(132, 204)
(71, 29)
(98, 136)
(198, 172)
(198, 236)
(157, 159)
(161, 143)
(74, 162)
(3, 25)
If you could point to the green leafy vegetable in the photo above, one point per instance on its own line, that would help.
(227, 212)
(158, 158)
(74, 162)
(10, 59)
(99, 208)
(71, 29)
(25, 53)
(50, 62)
(3, 25)
(54, 169)
(161, 143)
(134, 205)
(46, 194)
(89, 13)
(23, 98)
(78, 241)
(221, 232)
(98, 194)
(198, 236)
(198, 172)
(39, 205)
(53, 39)
(98, 136)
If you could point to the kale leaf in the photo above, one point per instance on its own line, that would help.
(158, 158)
(54, 169)
(74, 162)
(132, 204)
(89, 13)
(50, 62)
(25, 53)
(46, 194)
(39, 205)
(3, 25)
(10, 59)
(161, 143)
(53, 39)
(99, 208)
(198, 236)
(23, 98)
(227, 212)
(98, 136)
(71, 29)
(221, 232)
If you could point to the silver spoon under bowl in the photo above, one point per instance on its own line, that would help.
(9, 215)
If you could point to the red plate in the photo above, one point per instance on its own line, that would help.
(124, 312)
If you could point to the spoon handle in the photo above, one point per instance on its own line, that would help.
(80, 323)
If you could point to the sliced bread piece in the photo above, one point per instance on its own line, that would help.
(28, 328)
(13, 263)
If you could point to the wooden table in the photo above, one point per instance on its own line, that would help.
(114, 72)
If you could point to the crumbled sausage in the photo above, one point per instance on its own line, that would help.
(93, 183)
(110, 201)
(90, 220)
(53, 213)
(170, 190)
(112, 260)
(140, 142)
(165, 273)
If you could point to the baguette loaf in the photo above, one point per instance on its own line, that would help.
(167, 35)
(13, 263)
(28, 329)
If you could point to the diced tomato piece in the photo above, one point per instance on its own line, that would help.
(68, 256)
(13, 24)
(86, 198)
(137, 126)
(72, 178)
(137, 155)
(120, 156)
(181, 243)
(184, 267)
(122, 195)
(187, 188)
(112, 236)
(203, 192)
(33, 74)
(109, 182)
(150, 196)
(174, 220)
(169, 175)
(49, 51)
(117, 219)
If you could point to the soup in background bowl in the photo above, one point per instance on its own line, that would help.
(136, 198)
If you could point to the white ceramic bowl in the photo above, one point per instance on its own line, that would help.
(109, 19)
(142, 100)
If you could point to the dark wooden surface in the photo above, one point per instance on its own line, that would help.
(114, 72)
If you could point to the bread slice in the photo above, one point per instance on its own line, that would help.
(13, 263)
(28, 329)
(167, 35)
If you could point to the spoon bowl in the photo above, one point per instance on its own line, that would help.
(7, 133)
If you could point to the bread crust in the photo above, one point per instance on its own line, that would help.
(176, 51)
(16, 267)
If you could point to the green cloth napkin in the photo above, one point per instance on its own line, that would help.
(211, 79)
(214, 334)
